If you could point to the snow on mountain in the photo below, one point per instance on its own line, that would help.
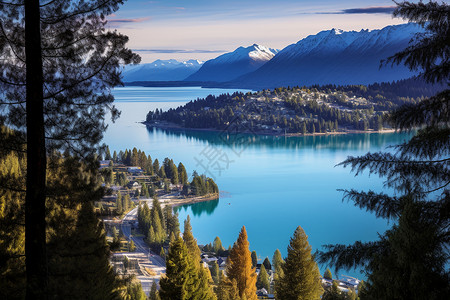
(233, 64)
(335, 57)
(161, 70)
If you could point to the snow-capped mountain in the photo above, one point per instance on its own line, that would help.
(335, 57)
(161, 70)
(233, 64)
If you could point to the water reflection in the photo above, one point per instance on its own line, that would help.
(199, 208)
(238, 141)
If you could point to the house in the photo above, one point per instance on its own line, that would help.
(134, 185)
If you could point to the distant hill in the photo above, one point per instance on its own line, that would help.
(335, 57)
(161, 70)
(230, 65)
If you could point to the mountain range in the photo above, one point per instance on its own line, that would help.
(161, 70)
(335, 57)
(329, 57)
(231, 65)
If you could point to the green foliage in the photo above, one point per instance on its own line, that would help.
(227, 289)
(301, 278)
(135, 291)
(327, 274)
(183, 174)
(267, 264)
(254, 259)
(277, 262)
(410, 260)
(217, 246)
(299, 111)
(154, 294)
(181, 276)
(262, 281)
(191, 242)
(185, 279)
(215, 274)
(200, 186)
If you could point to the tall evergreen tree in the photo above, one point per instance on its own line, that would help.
(217, 245)
(413, 254)
(79, 265)
(262, 281)
(181, 275)
(254, 259)
(135, 291)
(154, 294)
(81, 65)
(215, 272)
(277, 262)
(227, 289)
(327, 274)
(182, 174)
(190, 241)
(203, 290)
(239, 267)
(301, 278)
(267, 264)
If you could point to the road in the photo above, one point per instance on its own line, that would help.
(146, 258)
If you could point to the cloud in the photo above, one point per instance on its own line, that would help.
(135, 20)
(365, 10)
(370, 10)
(178, 51)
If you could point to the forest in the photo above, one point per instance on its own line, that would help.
(297, 110)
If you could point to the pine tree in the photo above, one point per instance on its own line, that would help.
(181, 275)
(239, 267)
(203, 290)
(267, 264)
(410, 260)
(215, 272)
(80, 262)
(277, 262)
(227, 289)
(327, 274)
(135, 291)
(191, 242)
(334, 293)
(262, 280)
(182, 174)
(254, 259)
(301, 279)
(80, 67)
(154, 294)
(217, 245)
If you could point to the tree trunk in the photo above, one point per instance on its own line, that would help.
(35, 238)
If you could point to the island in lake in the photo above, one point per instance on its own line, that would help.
(294, 110)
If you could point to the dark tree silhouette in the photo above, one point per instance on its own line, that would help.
(410, 261)
(58, 66)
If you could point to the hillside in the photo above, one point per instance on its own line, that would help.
(295, 110)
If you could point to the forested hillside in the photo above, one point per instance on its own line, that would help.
(297, 110)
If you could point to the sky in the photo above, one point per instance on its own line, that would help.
(205, 29)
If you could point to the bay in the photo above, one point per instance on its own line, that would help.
(268, 184)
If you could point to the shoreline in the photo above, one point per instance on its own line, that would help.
(173, 126)
(175, 202)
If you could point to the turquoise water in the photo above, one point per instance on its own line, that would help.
(269, 184)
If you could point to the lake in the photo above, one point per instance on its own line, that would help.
(269, 184)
